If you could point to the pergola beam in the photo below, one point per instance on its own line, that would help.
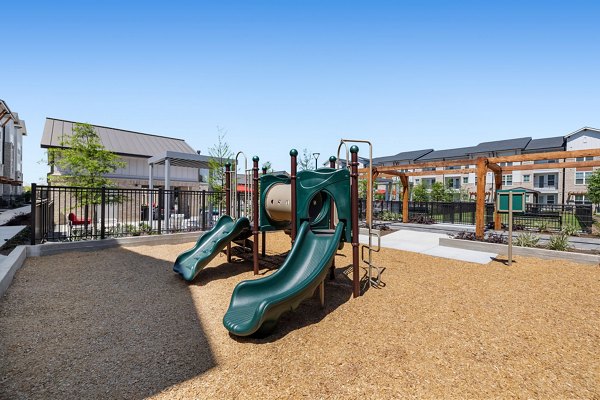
(494, 167)
(568, 164)
(546, 156)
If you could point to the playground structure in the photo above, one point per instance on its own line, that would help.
(318, 208)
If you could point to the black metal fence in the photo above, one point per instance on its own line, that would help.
(74, 213)
(542, 217)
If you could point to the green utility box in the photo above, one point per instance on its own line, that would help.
(518, 199)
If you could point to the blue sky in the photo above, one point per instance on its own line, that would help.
(278, 75)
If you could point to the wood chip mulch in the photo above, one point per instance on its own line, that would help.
(118, 323)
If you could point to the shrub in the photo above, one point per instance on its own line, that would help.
(571, 230)
(543, 226)
(421, 219)
(559, 242)
(495, 238)
(526, 239)
(390, 216)
(464, 235)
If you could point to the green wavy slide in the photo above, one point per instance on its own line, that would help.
(256, 305)
(189, 263)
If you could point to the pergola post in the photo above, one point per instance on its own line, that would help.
(497, 186)
(480, 200)
(405, 198)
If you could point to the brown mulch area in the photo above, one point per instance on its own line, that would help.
(119, 323)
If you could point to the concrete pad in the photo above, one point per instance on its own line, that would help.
(428, 243)
(473, 256)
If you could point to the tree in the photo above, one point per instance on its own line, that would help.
(220, 154)
(306, 161)
(439, 192)
(419, 192)
(593, 187)
(268, 166)
(83, 159)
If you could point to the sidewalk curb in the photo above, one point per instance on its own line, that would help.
(522, 251)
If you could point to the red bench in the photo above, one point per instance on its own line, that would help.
(73, 220)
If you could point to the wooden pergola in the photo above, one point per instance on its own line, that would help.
(482, 165)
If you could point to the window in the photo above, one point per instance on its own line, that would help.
(526, 178)
(428, 169)
(585, 158)
(545, 161)
(417, 180)
(581, 178)
(551, 180)
(507, 179)
(581, 199)
(550, 199)
(506, 164)
(465, 179)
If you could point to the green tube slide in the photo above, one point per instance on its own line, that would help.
(189, 263)
(256, 305)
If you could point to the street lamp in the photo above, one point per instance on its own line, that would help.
(316, 156)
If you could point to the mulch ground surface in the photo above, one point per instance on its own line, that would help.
(118, 323)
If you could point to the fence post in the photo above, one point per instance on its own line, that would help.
(203, 205)
(161, 201)
(102, 213)
(33, 211)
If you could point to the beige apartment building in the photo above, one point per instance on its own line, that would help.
(544, 186)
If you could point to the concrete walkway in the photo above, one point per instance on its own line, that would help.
(428, 243)
(8, 232)
(7, 215)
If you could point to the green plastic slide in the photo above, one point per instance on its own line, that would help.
(189, 263)
(256, 305)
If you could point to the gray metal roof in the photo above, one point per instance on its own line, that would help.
(461, 152)
(585, 128)
(118, 141)
(501, 145)
(404, 156)
(178, 159)
(554, 143)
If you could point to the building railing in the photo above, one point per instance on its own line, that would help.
(540, 217)
(61, 213)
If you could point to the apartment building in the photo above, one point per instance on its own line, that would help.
(545, 186)
(12, 129)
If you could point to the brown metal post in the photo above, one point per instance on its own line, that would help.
(263, 241)
(480, 201)
(255, 213)
(293, 170)
(228, 201)
(405, 198)
(354, 217)
(332, 161)
(498, 186)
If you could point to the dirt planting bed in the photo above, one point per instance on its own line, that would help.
(119, 323)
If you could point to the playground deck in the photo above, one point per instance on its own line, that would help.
(119, 323)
